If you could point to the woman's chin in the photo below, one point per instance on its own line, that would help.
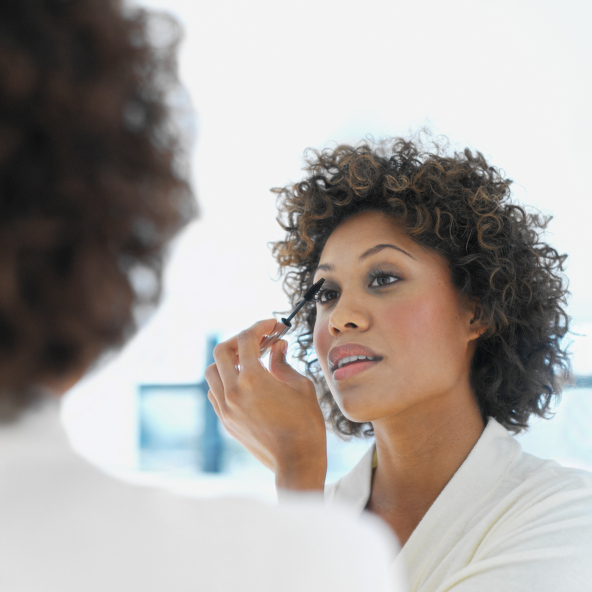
(362, 409)
(355, 412)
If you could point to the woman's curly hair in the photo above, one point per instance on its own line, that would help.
(90, 189)
(460, 207)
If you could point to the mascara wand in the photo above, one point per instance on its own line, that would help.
(284, 325)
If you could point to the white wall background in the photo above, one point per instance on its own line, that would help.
(512, 79)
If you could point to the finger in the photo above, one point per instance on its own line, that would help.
(226, 364)
(217, 405)
(249, 343)
(263, 328)
(279, 367)
(220, 407)
(213, 379)
(214, 402)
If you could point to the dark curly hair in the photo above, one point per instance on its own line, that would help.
(460, 207)
(90, 188)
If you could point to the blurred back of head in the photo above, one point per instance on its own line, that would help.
(90, 189)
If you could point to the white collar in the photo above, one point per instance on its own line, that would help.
(486, 463)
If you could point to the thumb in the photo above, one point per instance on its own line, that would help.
(278, 366)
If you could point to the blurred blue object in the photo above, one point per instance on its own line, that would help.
(171, 422)
(178, 426)
(212, 444)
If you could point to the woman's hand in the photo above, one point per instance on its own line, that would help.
(274, 414)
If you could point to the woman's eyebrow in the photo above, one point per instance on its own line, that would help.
(372, 251)
(380, 247)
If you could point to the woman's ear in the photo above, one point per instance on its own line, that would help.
(477, 325)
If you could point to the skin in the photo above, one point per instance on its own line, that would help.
(418, 396)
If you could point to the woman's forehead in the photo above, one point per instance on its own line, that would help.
(364, 231)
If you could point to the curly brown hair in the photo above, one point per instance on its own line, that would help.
(90, 189)
(460, 207)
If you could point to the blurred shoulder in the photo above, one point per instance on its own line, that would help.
(333, 547)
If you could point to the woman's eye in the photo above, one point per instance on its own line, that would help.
(383, 280)
(326, 295)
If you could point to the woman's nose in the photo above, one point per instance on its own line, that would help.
(347, 316)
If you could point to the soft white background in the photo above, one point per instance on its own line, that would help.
(268, 79)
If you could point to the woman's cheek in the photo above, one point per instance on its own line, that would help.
(320, 341)
(409, 321)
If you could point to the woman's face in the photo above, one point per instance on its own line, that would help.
(391, 300)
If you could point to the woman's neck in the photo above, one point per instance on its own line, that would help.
(418, 453)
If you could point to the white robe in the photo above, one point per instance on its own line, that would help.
(67, 527)
(507, 521)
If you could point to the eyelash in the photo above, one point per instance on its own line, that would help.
(372, 276)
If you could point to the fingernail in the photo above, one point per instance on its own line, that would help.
(284, 347)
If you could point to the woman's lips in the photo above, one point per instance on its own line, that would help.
(353, 369)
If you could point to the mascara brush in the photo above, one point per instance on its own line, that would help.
(284, 325)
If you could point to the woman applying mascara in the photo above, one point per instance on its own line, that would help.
(439, 330)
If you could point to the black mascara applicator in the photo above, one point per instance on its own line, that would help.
(284, 325)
